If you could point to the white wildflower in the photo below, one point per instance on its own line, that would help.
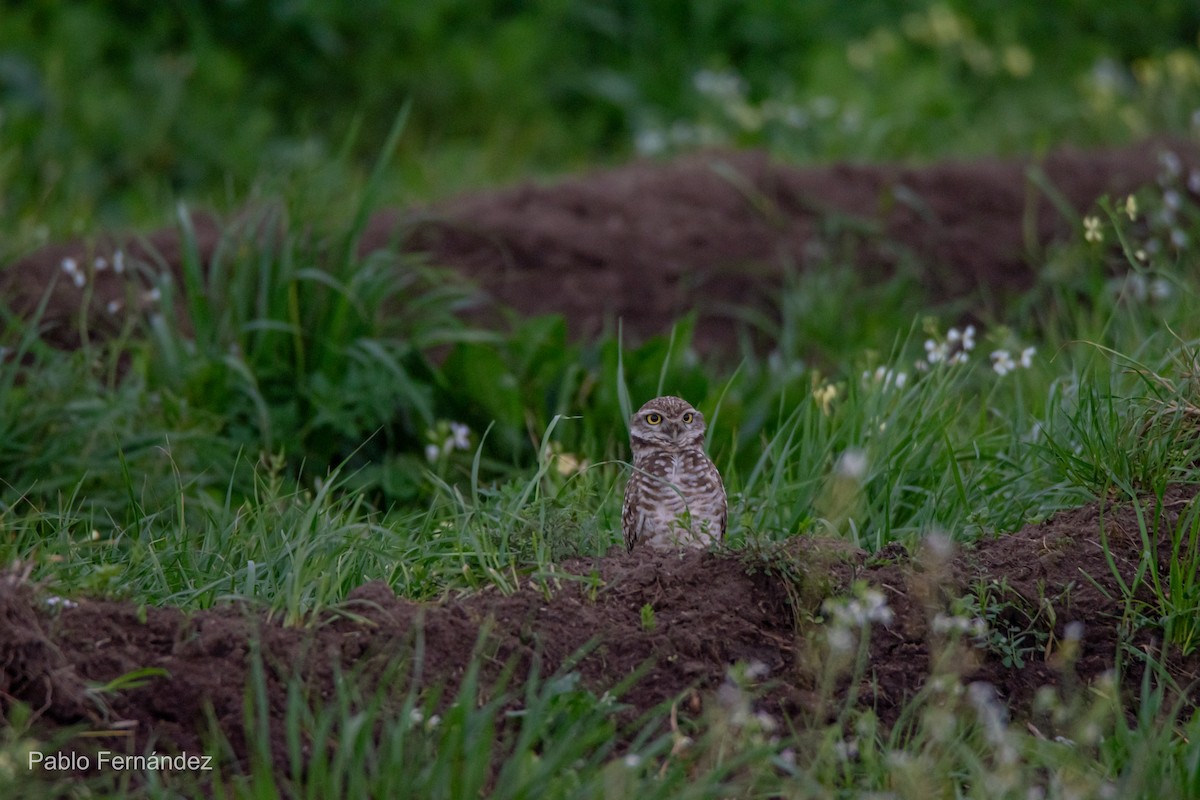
(718, 84)
(939, 545)
(1091, 229)
(856, 612)
(1131, 207)
(846, 749)
(935, 352)
(650, 141)
(1136, 287)
(100, 264)
(432, 451)
(876, 607)
(632, 761)
(886, 376)
(416, 718)
(1026, 360)
(841, 640)
(993, 716)
(852, 463)
(112, 307)
(1171, 163)
(460, 436)
(118, 262)
(71, 267)
(950, 624)
(766, 723)
(1002, 362)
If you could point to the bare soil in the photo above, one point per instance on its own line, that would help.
(643, 243)
(710, 611)
(651, 241)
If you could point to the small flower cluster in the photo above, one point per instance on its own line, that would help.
(824, 395)
(416, 719)
(846, 615)
(445, 438)
(993, 719)
(565, 464)
(77, 274)
(1138, 288)
(954, 625)
(852, 463)
(1166, 222)
(1169, 213)
(1004, 363)
(728, 113)
(953, 350)
(71, 267)
(885, 377)
(735, 698)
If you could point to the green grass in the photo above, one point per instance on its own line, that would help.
(329, 419)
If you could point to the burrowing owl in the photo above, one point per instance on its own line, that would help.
(675, 497)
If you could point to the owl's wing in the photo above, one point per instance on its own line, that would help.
(631, 518)
(724, 515)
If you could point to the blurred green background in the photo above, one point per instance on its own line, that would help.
(109, 109)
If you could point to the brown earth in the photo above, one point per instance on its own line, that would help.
(710, 611)
(650, 241)
(642, 243)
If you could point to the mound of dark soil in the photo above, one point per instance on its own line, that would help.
(650, 241)
(709, 612)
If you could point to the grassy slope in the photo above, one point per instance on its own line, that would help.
(254, 461)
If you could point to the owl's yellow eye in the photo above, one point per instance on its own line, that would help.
(688, 417)
(654, 419)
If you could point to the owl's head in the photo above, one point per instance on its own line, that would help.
(667, 422)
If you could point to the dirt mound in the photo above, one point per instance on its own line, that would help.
(679, 621)
(650, 241)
